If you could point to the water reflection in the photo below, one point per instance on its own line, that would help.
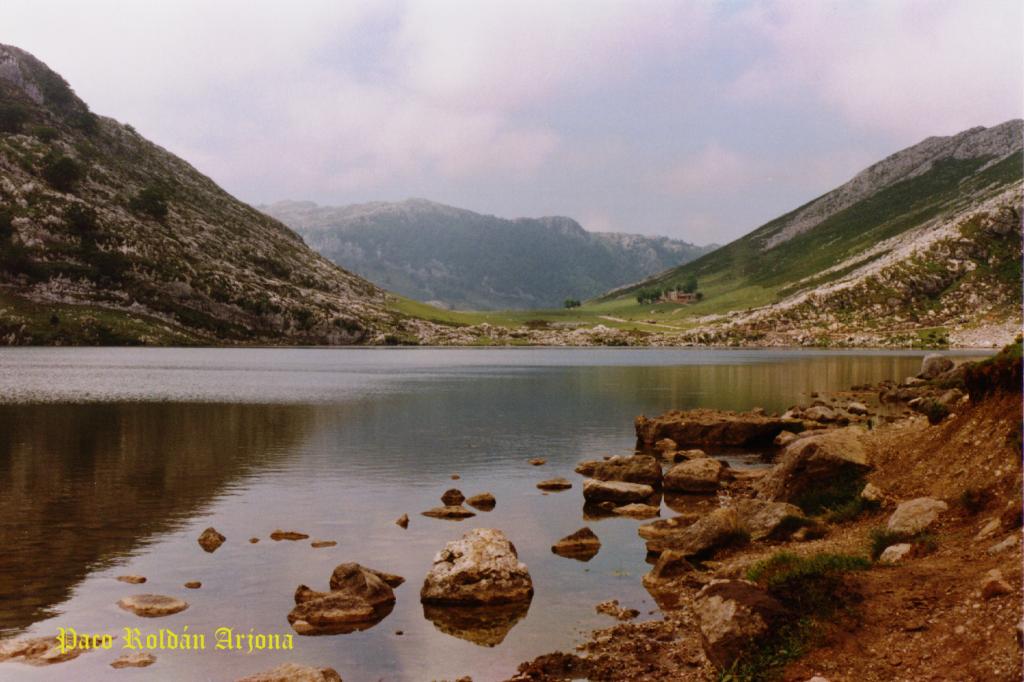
(482, 625)
(84, 485)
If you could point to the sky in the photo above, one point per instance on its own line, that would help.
(697, 120)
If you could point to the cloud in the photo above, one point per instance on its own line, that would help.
(918, 67)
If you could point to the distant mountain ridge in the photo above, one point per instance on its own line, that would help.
(433, 252)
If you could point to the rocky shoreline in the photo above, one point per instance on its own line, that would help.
(883, 543)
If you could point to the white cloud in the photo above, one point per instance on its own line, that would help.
(914, 67)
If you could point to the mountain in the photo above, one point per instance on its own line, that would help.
(431, 252)
(926, 241)
(106, 238)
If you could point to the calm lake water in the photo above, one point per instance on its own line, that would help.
(113, 461)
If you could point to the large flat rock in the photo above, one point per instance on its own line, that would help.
(711, 427)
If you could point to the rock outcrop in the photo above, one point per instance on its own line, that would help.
(914, 516)
(702, 537)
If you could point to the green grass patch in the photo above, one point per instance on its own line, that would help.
(851, 510)
(843, 489)
(770, 658)
(809, 585)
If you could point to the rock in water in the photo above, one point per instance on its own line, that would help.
(139, 659)
(293, 672)
(210, 540)
(695, 476)
(454, 512)
(402, 521)
(353, 578)
(582, 545)
(360, 598)
(480, 568)
(933, 365)
(554, 484)
(538, 461)
(633, 469)
(615, 491)
(733, 617)
(711, 427)
(292, 535)
(914, 516)
(453, 497)
(816, 462)
(132, 579)
(637, 510)
(320, 544)
(193, 584)
(483, 501)
(152, 605)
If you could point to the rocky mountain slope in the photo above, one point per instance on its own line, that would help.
(432, 252)
(927, 241)
(107, 238)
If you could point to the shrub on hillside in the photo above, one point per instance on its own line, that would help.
(80, 218)
(998, 374)
(12, 117)
(62, 173)
(152, 201)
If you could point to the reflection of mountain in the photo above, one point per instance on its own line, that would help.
(82, 485)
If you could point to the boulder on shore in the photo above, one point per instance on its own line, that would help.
(733, 617)
(702, 537)
(631, 469)
(763, 519)
(582, 545)
(816, 462)
(702, 475)
(933, 365)
(914, 516)
(615, 491)
(711, 427)
(482, 567)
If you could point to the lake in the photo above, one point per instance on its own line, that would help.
(113, 461)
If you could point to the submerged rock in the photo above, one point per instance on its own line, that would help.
(483, 501)
(615, 491)
(139, 659)
(733, 617)
(480, 568)
(486, 625)
(152, 605)
(555, 484)
(582, 545)
(815, 462)
(293, 672)
(700, 475)
(210, 539)
(193, 584)
(451, 512)
(292, 535)
(320, 544)
(538, 461)
(453, 497)
(632, 469)
(37, 651)
(711, 427)
(914, 516)
(637, 510)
